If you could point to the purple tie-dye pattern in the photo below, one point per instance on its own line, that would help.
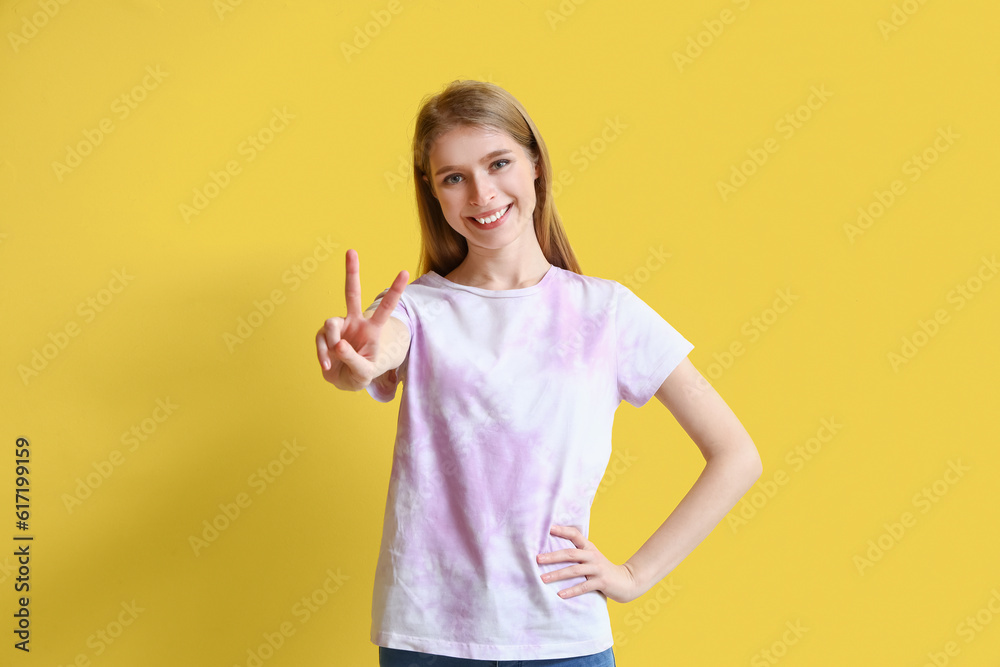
(504, 430)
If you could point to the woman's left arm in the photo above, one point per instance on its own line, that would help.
(732, 467)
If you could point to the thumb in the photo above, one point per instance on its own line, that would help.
(358, 365)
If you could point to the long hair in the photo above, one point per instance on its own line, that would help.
(480, 104)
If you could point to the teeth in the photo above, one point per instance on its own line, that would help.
(492, 218)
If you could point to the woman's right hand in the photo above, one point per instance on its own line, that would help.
(348, 347)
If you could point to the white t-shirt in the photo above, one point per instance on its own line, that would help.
(504, 430)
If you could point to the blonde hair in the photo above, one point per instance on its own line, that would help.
(486, 105)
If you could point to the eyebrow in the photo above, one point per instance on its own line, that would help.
(485, 158)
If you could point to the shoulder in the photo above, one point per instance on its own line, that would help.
(591, 285)
(418, 289)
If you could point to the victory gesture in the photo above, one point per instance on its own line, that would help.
(349, 347)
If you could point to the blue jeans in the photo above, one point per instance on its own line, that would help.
(395, 657)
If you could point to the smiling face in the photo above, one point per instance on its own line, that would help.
(478, 172)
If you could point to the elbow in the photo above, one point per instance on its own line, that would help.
(748, 468)
(745, 460)
(754, 464)
(756, 468)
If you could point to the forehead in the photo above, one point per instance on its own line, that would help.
(468, 143)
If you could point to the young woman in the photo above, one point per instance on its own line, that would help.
(513, 363)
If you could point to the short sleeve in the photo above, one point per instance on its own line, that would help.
(385, 393)
(648, 348)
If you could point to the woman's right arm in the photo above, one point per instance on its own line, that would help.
(356, 349)
(395, 341)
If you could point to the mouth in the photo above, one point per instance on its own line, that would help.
(490, 221)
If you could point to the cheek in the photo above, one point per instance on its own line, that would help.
(452, 210)
(527, 194)
(456, 226)
(527, 205)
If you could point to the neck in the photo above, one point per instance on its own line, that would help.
(496, 272)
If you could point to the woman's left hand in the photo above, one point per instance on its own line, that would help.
(615, 581)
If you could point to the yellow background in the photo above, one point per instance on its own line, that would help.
(335, 174)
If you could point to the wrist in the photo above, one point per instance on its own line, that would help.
(386, 379)
(639, 580)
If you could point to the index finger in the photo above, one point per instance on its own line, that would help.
(391, 298)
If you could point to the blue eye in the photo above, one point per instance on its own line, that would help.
(447, 179)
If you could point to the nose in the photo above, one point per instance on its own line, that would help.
(481, 191)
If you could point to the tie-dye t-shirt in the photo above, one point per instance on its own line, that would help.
(504, 430)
